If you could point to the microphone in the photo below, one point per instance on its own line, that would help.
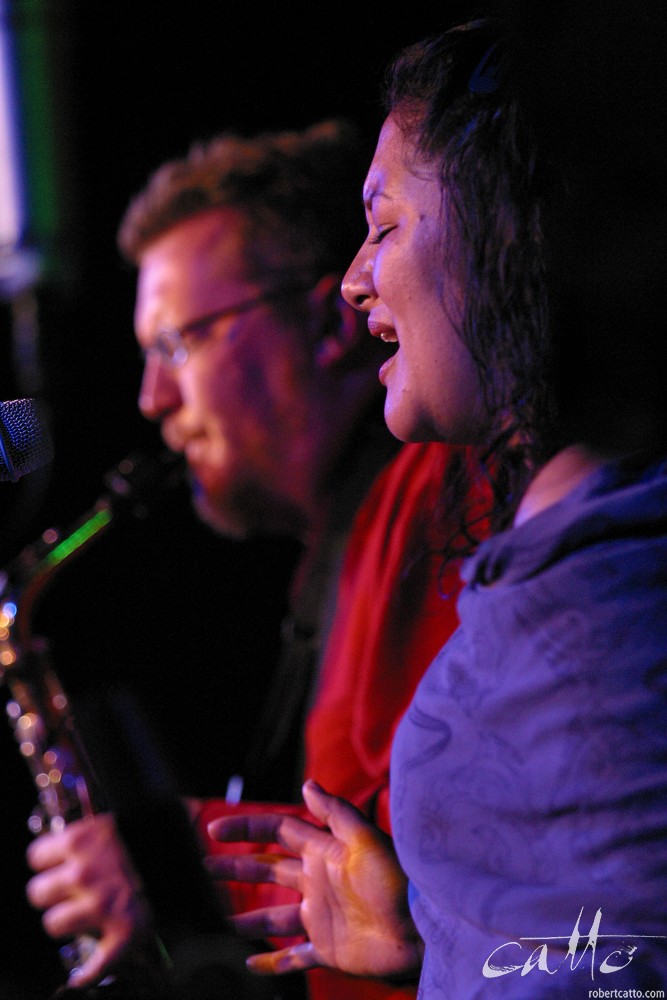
(24, 443)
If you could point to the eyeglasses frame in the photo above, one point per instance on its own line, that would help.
(169, 341)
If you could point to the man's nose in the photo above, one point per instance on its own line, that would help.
(159, 394)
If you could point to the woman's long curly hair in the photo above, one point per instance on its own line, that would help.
(451, 95)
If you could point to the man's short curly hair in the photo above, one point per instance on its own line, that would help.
(299, 192)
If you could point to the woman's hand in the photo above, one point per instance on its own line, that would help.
(354, 894)
(87, 885)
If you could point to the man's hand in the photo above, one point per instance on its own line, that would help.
(354, 894)
(86, 884)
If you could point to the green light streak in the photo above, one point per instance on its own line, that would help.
(78, 538)
(37, 38)
(38, 114)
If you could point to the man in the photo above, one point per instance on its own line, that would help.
(266, 380)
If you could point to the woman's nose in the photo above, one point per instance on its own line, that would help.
(357, 287)
(159, 394)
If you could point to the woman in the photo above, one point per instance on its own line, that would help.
(529, 774)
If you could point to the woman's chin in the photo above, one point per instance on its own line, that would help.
(406, 425)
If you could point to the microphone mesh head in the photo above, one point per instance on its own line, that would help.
(24, 444)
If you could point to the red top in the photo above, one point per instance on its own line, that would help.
(391, 619)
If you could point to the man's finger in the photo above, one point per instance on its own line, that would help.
(68, 918)
(49, 888)
(47, 851)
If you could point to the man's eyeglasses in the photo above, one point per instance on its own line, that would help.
(173, 344)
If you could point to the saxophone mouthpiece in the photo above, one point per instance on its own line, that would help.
(24, 443)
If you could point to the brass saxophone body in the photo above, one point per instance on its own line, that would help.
(38, 709)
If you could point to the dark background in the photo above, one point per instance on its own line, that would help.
(183, 623)
(186, 622)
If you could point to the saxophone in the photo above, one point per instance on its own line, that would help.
(38, 708)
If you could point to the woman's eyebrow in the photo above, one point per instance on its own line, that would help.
(372, 194)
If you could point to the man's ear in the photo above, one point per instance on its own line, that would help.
(341, 330)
